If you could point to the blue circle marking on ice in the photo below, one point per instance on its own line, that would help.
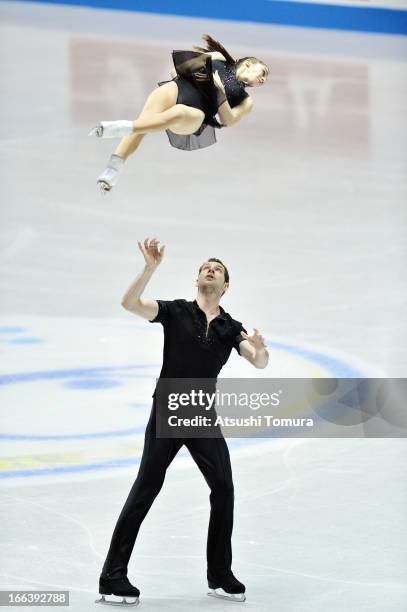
(25, 341)
(64, 469)
(25, 377)
(337, 367)
(92, 383)
(13, 330)
(83, 436)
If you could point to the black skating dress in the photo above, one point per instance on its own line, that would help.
(196, 88)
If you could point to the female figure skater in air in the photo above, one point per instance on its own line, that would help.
(206, 82)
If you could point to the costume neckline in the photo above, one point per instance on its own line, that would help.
(219, 316)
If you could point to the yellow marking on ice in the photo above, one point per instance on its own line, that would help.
(301, 367)
(126, 451)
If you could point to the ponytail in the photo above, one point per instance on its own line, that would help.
(214, 45)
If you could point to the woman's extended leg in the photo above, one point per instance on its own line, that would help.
(159, 100)
(128, 145)
(160, 112)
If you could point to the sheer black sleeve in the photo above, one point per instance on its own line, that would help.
(193, 65)
(198, 68)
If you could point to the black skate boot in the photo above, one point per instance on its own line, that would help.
(117, 592)
(226, 587)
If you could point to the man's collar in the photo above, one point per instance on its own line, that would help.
(222, 314)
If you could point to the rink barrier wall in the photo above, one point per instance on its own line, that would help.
(381, 20)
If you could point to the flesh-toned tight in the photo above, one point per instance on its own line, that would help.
(161, 112)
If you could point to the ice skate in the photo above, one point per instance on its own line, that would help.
(227, 587)
(117, 592)
(110, 176)
(112, 129)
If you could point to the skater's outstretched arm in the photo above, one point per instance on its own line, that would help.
(215, 55)
(229, 116)
(253, 348)
(132, 300)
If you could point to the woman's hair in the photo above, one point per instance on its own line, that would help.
(214, 45)
(253, 60)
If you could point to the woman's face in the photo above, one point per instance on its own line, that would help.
(253, 73)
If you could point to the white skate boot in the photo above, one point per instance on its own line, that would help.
(112, 129)
(110, 176)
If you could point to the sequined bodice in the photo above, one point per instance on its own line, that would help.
(234, 89)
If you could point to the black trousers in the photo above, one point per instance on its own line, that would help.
(212, 458)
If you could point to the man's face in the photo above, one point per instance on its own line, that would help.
(211, 278)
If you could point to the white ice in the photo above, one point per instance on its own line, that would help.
(305, 201)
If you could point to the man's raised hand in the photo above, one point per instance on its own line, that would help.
(152, 253)
(256, 339)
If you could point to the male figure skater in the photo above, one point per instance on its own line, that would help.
(198, 339)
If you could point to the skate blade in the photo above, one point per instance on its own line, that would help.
(96, 131)
(104, 187)
(221, 594)
(118, 600)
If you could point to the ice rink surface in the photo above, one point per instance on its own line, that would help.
(304, 201)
